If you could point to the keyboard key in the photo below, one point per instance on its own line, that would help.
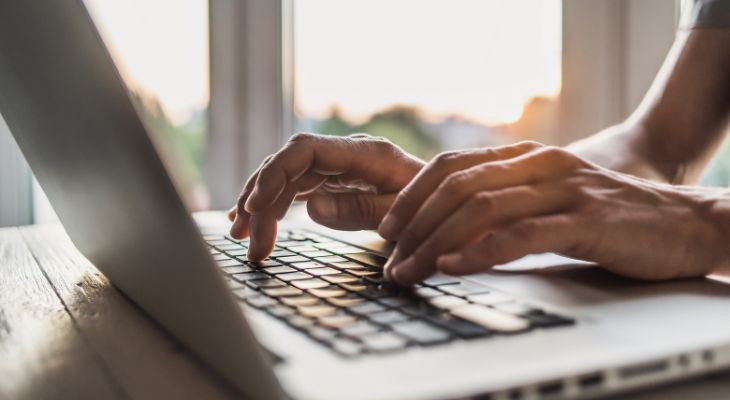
(264, 263)
(329, 245)
(307, 265)
(293, 276)
(322, 334)
(515, 308)
(544, 320)
(292, 259)
(388, 317)
(346, 250)
(230, 246)
(421, 332)
(352, 287)
(299, 321)
(376, 279)
(323, 271)
(217, 241)
(282, 291)
(234, 284)
(257, 284)
(281, 269)
(440, 279)
(330, 259)
(464, 289)
(300, 249)
(312, 254)
(280, 311)
(490, 318)
(221, 257)
(366, 308)
(282, 253)
(346, 265)
(370, 259)
(377, 292)
(260, 301)
(360, 328)
(247, 276)
(490, 299)
(348, 300)
(383, 342)
(316, 311)
(298, 301)
(346, 347)
(239, 269)
(458, 326)
(397, 301)
(324, 293)
(229, 263)
(214, 251)
(290, 243)
(307, 284)
(340, 278)
(361, 272)
(336, 321)
(427, 292)
(245, 292)
(237, 253)
(446, 302)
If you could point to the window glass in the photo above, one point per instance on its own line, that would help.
(429, 75)
(161, 49)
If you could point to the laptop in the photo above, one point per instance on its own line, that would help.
(315, 320)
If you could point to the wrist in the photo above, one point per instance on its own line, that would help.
(713, 205)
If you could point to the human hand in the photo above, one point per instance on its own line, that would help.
(467, 211)
(348, 183)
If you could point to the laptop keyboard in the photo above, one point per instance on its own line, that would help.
(334, 292)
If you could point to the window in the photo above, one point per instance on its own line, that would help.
(161, 49)
(430, 75)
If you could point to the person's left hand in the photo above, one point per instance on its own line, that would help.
(461, 215)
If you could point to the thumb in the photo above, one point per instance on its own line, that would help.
(349, 211)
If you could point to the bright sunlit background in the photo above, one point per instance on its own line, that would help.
(429, 75)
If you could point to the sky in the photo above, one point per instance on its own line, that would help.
(481, 59)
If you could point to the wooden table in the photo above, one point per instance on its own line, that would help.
(67, 333)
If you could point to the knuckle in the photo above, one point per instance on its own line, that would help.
(301, 137)
(443, 160)
(456, 181)
(529, 145)
(482, 201)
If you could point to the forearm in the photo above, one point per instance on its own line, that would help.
(682, 119)
(619, 148)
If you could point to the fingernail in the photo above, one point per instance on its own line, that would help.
(449, 261)
(388, 226)
(325, 206)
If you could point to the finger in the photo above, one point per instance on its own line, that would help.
(481, 214)
(232, 213)
(305, 184)
(460, 186)
(554, 233)
(263, 236)
(327, 155)
(349, 211)
(429, 178)
(240, 227)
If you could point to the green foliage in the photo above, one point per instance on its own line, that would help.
(400, 124)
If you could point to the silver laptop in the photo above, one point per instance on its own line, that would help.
(315, 321)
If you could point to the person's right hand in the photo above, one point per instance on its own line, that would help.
(348, 182)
